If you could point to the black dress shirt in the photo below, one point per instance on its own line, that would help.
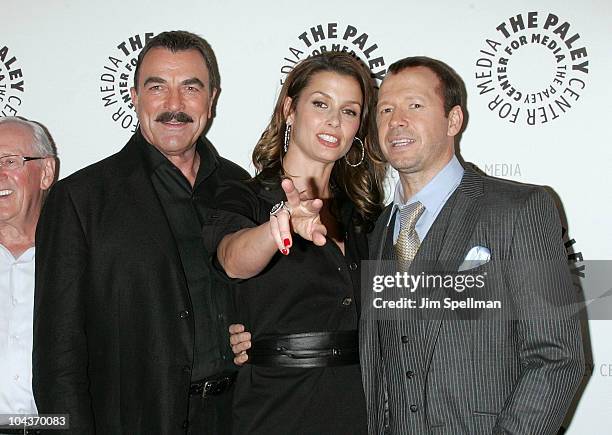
(185, 206)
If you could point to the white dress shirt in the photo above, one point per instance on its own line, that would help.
(16, 316)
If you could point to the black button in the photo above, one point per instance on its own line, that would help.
(186, 369)
(414, 408)
(220, 316)
(353, 266)
(185, 424)
(184, 314)
(347, 301)
(339, 269)
(405, 339)
(409, 374)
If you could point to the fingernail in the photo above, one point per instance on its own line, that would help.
(284, 251)
(286, 242)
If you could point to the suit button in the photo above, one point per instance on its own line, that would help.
(186, 369)
(184, 314)
(409, 374)
(405, 339)
(347, 301)
(353, 266)
(185, 424)
(414, 408)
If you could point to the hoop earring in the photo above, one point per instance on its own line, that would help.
(354, 165)
(287, 138)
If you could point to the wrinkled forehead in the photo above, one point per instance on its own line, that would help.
(16, 138)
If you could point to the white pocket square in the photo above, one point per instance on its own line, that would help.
(477, 256)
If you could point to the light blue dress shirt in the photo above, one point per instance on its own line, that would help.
(433, 196)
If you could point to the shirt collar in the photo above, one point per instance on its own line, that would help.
(435, 192)
(154, 158)
(25, 257)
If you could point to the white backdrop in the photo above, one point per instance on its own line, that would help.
(53, 56)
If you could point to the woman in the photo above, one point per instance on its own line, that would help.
(296, 235)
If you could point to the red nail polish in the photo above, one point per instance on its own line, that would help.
(284, 251)
(286, 242)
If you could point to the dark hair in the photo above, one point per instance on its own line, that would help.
(452, 88)
(363, 185)
(181, 40)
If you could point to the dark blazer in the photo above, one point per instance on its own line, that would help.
(446, 375)
(113, 330)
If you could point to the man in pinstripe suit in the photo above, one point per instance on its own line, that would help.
(433, 371)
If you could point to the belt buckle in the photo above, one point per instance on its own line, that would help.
(213, 388)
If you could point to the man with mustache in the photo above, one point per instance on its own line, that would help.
(130, 323)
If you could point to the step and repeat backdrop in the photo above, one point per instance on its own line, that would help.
(537, 74)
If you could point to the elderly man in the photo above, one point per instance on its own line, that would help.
(130, 324)
(27, 170)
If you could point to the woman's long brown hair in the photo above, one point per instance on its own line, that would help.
(363, 185)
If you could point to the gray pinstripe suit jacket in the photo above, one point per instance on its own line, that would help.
(442, 375)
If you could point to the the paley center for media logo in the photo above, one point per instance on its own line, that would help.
(532, 69)
(117, 77)
(335, 36)
(11, 83)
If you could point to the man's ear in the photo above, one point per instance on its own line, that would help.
(48, 173)
(211, 102)
(134, 95)
(455, 121)
(287, 111)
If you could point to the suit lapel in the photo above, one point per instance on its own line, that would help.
(379, 234)
(449, 245)
(145, 207)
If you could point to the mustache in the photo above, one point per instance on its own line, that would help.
(174, 116)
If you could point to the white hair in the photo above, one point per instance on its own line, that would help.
(43, 143)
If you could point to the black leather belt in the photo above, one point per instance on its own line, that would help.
(212, 386)
(306, 350)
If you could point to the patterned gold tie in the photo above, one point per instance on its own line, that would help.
(408, 241)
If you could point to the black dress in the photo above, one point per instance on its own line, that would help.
(312, 289)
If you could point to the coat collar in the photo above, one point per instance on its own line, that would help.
(444, 247)
(141, 200)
